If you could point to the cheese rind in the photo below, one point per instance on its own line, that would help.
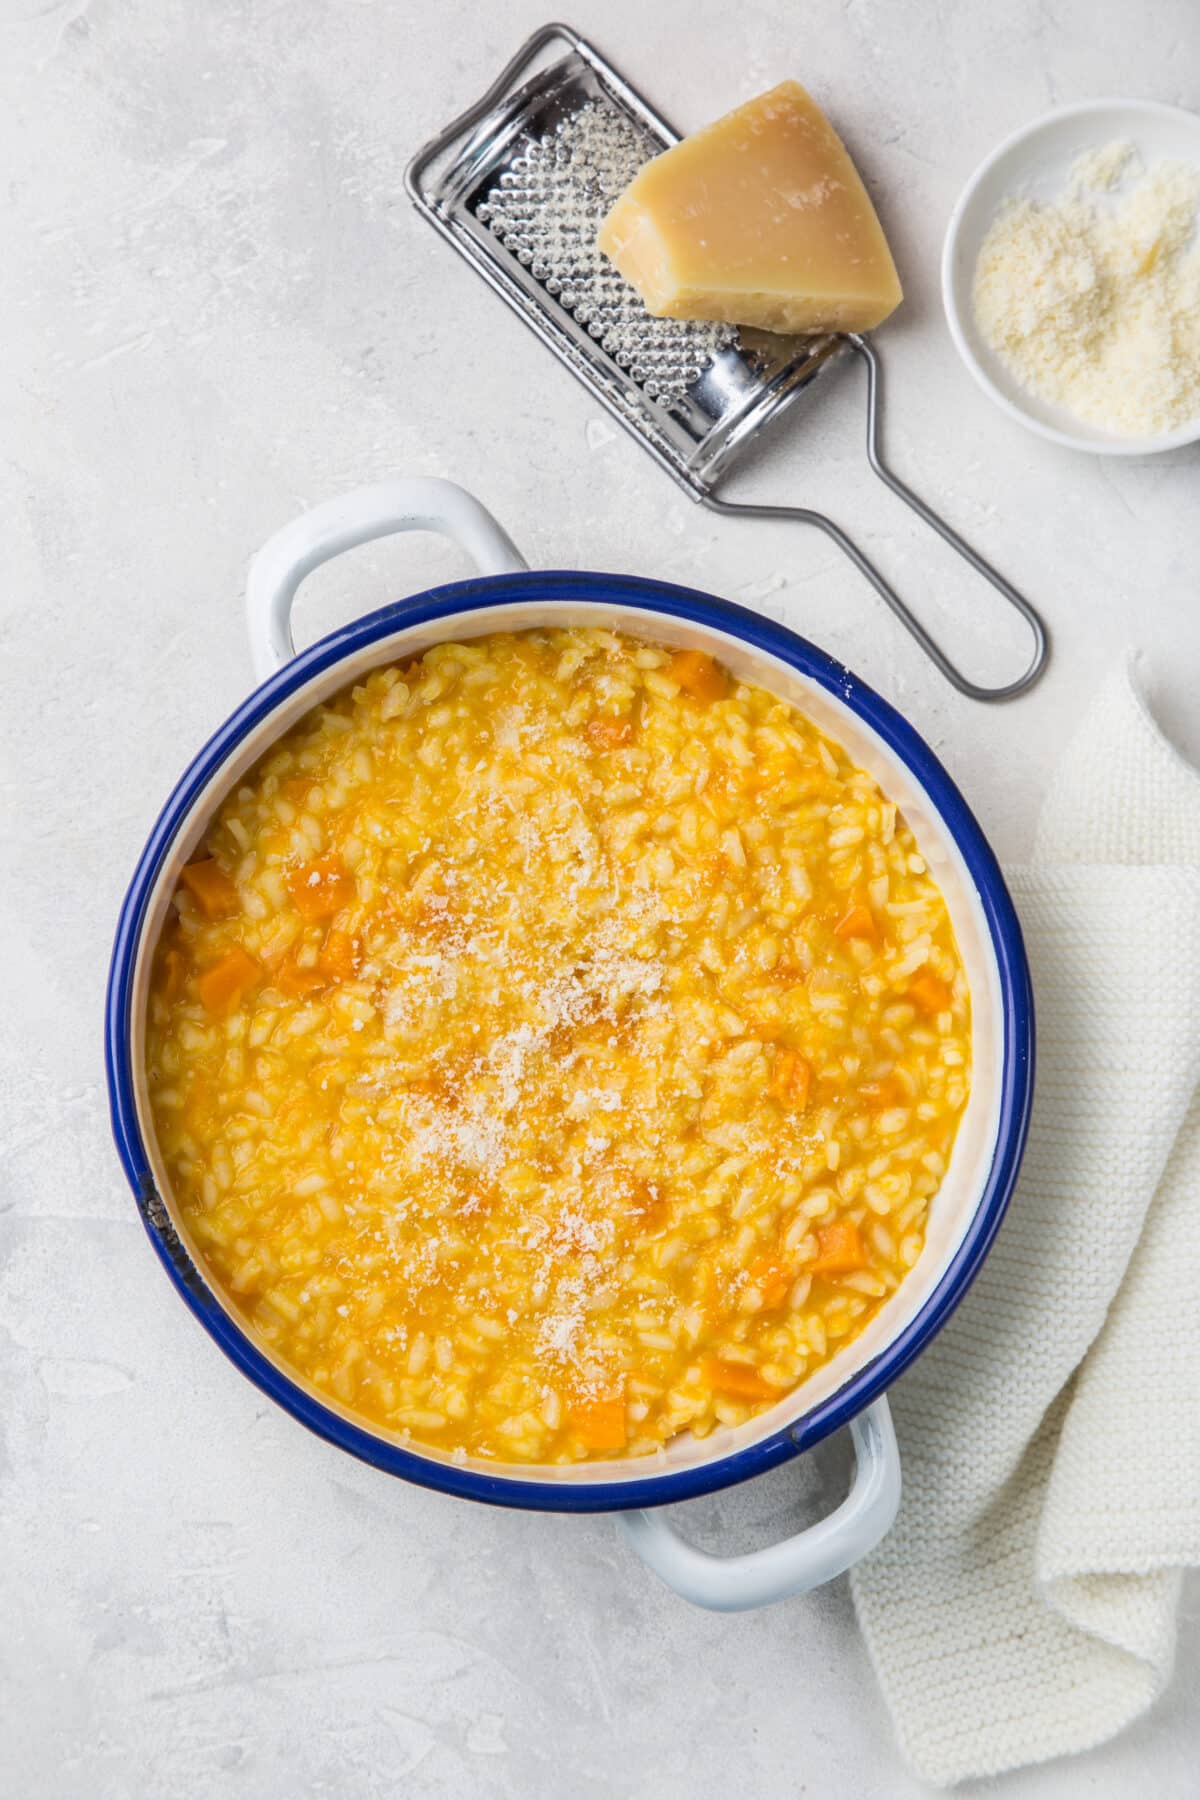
(760, 219)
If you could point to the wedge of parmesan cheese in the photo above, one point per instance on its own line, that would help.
(761, 219)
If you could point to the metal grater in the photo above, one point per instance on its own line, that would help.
(520, 183)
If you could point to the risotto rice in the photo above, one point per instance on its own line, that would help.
(556, 1047)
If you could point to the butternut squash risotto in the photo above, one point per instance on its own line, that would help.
(556, 1047)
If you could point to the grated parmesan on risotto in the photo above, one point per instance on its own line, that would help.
(556, 1047)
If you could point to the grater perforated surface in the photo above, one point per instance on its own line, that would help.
(547, 208)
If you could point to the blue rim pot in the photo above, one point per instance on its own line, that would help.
(968, 1208)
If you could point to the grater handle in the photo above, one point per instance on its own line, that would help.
(799, 1563)
(925, 512)
(883, 587)
(419, 503)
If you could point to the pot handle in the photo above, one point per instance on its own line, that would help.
(813, 1556)
(418, 503)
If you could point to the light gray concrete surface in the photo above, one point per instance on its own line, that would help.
(217, 308)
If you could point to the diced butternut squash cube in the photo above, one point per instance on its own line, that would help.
(600, 1423)
(889, 1091)
(339, 956)
(322, 887)
(210, 887)
(608, 734)
(648, 1206)
(839, 1249)
(791, 1079)
(699, 676)
(858, 922)
(738, 1380)
(226, 982)
(930, 993)
(772, 1279)
(172, 972)
(295, 979)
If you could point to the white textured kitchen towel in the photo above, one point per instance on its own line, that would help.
(1023, 1606)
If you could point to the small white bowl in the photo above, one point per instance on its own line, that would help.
(1033, 164)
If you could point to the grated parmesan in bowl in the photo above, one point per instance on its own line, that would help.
(1072, 277)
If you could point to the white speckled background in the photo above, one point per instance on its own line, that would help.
(215, 308)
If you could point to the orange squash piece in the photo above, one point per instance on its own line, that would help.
(600, 1423)
(859, 922)
(174, 969)
(887, 1092)
(322, 887)
(698, 675)
(648, 1207)
(338, 960)
(609, 734)
(223, 985)
(737, 1380)
(839, 1249)
(772, 1280)
(929, 993)
(791, 1080)
(292, 979)
(210, 887)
